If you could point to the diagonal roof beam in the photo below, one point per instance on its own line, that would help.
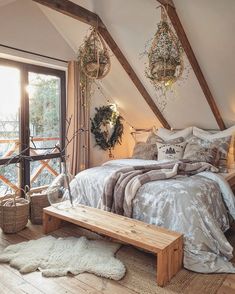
(166, 2)
(171, 11)
(71, 9)
(131, 73)
(77, 12)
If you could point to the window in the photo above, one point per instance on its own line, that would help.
(32, 114)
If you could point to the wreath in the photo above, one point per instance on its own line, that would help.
(104, 117)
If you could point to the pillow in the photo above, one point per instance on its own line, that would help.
(166, 134)
(170, 151)
(141, 135)
(153, 138)
(200, 150)
(230, 132)
(146, 151)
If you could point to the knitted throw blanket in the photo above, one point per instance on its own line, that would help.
(121, 187)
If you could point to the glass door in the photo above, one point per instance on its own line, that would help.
(44, 123)
(10, 93)
(32, 123)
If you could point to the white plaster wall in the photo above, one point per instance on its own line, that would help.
(97, 155)
(24, 26)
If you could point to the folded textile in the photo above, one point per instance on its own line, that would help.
(121, 187)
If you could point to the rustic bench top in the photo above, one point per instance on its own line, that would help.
(134, 232)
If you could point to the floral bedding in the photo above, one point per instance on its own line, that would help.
(197, 206)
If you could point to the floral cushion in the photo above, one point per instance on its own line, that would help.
(170, 151)
(200, 150)
(209, 135)
(222, 145)
(144, 150)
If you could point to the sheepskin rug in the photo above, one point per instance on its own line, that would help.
(58, 257)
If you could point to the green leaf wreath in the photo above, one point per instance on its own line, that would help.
(104, 116)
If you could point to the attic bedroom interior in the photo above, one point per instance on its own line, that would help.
(117, 146)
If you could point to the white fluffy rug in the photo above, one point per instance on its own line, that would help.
(58, 257)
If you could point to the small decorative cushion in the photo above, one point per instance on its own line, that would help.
(222, 145)
(166, 134)
(200, 150)
(170, 151)
(146, 151)
(218, 135)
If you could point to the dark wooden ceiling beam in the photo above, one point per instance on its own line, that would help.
(131, 73)
(71, 9)
(77, 12)
(166, 2)
(171, 11)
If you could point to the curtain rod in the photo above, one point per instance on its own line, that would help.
(37, 54)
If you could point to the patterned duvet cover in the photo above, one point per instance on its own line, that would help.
(197, 206)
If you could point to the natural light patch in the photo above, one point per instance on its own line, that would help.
(9, 92)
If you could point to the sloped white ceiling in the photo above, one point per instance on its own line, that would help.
(132, 23)
(116, 85)
(5, 2)
(24, 26)
(209, 25)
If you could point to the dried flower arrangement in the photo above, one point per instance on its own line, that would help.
(164, 64)
(94, 56)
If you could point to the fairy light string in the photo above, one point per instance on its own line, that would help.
(111, 101)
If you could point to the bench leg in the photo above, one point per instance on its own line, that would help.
(169, 262)
(50, 223)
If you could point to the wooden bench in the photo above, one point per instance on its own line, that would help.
(166, 244)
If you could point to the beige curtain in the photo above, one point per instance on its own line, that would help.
(79, 114)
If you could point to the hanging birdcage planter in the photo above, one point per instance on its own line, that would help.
(165, 62)
(94, 56)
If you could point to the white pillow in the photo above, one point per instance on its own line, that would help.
(210, 135)
(167, 135)
(206, 135)
(170, 151)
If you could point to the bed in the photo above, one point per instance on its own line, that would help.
(199, 206)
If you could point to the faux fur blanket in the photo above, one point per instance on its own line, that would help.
(58, 257)
(122, 186)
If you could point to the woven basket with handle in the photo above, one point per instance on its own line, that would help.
(38, 200)
(14, 213)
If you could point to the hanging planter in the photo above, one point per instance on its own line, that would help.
(94, 56)
(165, 62)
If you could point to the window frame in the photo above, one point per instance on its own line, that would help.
(25, 68)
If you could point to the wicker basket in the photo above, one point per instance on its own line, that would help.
(38, 200)
(14, 213)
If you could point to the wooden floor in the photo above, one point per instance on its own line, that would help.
(11, 281)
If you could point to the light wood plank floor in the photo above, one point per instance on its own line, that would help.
(11, 281)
